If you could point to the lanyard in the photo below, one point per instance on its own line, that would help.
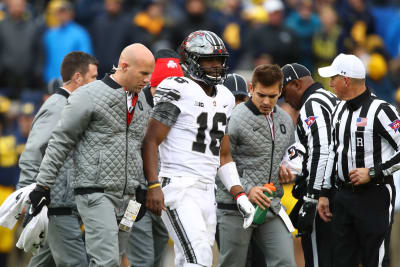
(130, 103)
(270, 120)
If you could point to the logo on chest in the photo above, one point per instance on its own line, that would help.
(199, 104)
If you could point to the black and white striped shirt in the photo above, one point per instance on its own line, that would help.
(366, 134)
(313, 132)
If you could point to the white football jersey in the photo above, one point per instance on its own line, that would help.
(192, 145)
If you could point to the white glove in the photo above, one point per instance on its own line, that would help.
(293, 158)
(34, 235)
(246, 209)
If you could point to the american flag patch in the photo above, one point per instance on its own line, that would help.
(310, 120)
(395, 125)
(361, 122)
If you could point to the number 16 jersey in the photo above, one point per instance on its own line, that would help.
(197, 125)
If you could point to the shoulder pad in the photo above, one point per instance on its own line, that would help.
(170, 89)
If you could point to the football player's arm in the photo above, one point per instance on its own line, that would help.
(230, 178)
(164, 115)
(156, 133)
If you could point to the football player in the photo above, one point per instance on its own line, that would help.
(187, 127)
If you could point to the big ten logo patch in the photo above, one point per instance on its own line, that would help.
(199, 104)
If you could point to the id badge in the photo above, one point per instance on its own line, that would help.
(130, 216)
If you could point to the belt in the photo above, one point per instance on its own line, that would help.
(224, 206)
(84, 191)
(198, 184)
(59, 211)
(349, 186)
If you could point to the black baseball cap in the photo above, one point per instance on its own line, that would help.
(293, 72)
(236, 84)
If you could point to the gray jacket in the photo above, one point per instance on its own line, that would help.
(107, 152)
(256, 155)
(43, 124)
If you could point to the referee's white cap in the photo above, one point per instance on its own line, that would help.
(344, 65)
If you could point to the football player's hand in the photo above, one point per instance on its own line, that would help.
(257, 196)
(285, 176)
(306, 217)
(246, 209)
(155, 200)
(39, 197)
(323, 209)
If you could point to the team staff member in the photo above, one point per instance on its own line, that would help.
(365, 152)
(104, 121)
(313, 129)
(65, 243)
(237, 84)
(259, 134)
(149, 236)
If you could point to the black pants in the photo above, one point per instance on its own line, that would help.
(318, 247)
(362, 223)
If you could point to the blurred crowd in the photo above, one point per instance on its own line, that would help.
(36, 35)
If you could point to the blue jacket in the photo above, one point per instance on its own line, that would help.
(60, 41)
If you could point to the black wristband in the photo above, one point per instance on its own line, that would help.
(325, 193)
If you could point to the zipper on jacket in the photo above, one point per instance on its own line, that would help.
(126, 144)
(272, 159)
(273, 148)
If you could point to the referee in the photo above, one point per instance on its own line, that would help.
(362, 158)
(313, 129)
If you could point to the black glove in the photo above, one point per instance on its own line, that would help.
(39, 197)
(300, 187)
(306, 216)
(141, 198)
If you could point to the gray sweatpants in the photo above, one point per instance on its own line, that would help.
(66, 241)
(272, 237)
(65, 247)
(104, 242)
(147, 241)
(43, 259)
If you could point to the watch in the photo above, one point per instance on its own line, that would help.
(371, 173)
